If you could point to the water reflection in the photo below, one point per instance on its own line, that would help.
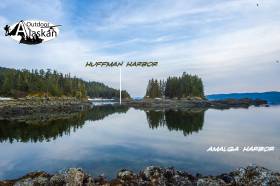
(186, 121)
(39, 128)
(139, 138)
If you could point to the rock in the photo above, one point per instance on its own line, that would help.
(126, 175)
(34, 178)
(151, 171)
(25, 182)
(57, 180)
(74, 177)
(77, 177)
(180, 180)
(169, 173)
(159, 176)
(42, 181)
(251, 175)
(227, 178)
(255, 175)
(194, 103)
(39, 181)
(116, 182)
(100, 180)
(210, 182)
(29, 106)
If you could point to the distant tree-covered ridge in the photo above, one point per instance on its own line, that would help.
(96, 89)
(20, 83)
(180, 87)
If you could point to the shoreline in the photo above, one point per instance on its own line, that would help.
(37, 105)
(194, 103)
(152, 175)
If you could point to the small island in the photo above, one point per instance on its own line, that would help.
(186, 91)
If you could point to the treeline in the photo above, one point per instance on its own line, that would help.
(20, 83)
(180, 87)
(96, 89)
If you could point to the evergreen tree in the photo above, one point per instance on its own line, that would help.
(20, 83)
(153, 89)
(180, 87)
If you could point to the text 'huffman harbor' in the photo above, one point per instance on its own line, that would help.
(122, 64)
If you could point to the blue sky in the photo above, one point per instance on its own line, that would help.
(232, 44)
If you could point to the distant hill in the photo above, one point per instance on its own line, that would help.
(272, 97)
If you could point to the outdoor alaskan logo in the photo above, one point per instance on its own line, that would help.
(32, 32)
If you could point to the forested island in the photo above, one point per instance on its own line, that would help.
(50, 83)
(48, 91)
(185, 91)
(176, 87)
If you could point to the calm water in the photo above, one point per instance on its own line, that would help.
(111, 138)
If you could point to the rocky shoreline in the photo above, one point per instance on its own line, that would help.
(194, 103)
(36, 105)
(251, 175)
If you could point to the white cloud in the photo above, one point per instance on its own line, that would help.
(225, 42)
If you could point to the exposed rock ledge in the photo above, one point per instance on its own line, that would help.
(194, 103)
(36, 105)
(251, 175)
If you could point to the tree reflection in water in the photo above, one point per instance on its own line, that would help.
(47, 127)
(186, 121)
(39, 128)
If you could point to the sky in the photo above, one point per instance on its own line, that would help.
(233, 45)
